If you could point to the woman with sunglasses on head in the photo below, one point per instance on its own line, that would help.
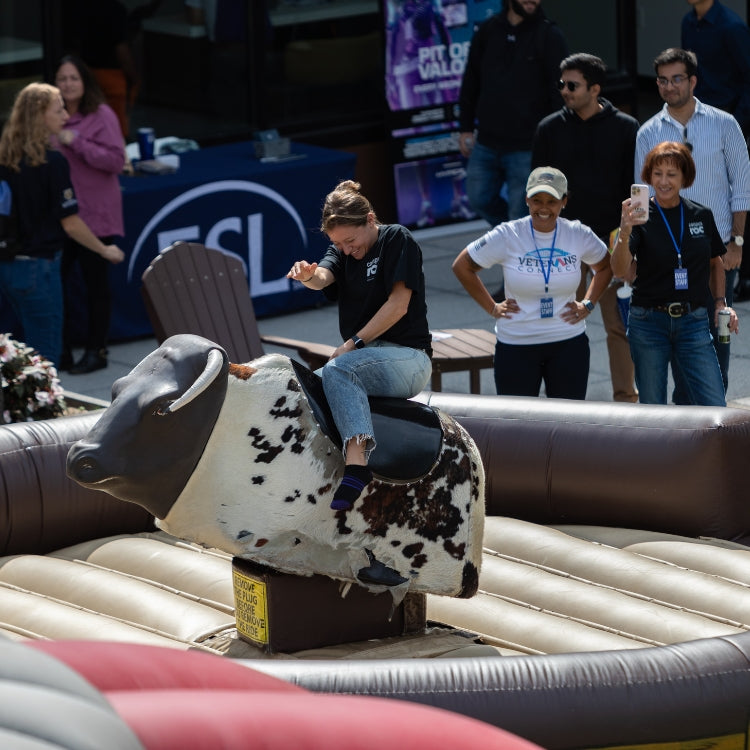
(678, 251)
(375, 273)
(39, 179)
(540, 326)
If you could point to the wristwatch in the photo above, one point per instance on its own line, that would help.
(358, 343)
(588, 304)
(738, 240)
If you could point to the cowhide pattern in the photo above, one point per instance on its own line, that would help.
(263, 487)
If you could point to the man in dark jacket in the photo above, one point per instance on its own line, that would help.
(593, 144)
(507, 87)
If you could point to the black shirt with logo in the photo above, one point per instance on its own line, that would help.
(44, 195)
(656, 255)
(363, 286)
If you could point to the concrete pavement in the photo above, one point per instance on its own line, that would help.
(449, 306)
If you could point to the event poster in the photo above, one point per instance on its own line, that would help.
(427, 43)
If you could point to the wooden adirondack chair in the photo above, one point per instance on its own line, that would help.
(189, 288)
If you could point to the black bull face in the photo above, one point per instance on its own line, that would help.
(143, 449)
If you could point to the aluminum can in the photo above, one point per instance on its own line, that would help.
(146, 139)
(723, 327)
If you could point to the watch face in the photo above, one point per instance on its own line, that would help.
(739, 240)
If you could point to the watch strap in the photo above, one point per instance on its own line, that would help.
(358, 343)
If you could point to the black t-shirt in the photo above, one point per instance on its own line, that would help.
(44, 195)
(656, 255)
(363, 286)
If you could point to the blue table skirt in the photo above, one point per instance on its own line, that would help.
(267, 213)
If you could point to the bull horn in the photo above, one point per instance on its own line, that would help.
(212, 370)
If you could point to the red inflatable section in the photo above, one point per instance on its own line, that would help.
(128, 666)
(221, 719)
(175, 700)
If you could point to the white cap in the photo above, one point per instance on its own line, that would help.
(547, 180)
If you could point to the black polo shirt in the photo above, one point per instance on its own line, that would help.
(656, 256)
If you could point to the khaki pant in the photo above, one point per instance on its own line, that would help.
(620, 362)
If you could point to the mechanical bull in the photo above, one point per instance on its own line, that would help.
(243, 458)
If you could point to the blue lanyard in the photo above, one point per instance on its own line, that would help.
(548, 272)
(677, 247)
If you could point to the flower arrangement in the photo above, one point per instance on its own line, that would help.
(30, 387)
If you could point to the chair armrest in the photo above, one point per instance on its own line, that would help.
(315, 355)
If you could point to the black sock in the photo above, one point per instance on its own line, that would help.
(355, 479)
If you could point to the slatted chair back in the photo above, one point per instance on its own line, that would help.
(189, 288)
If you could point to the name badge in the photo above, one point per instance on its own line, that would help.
(546, 307)
(680, 278)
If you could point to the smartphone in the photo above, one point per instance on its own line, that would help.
(639, 202)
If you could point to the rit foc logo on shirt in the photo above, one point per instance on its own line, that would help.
(372, 268)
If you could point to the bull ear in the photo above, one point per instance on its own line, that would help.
(213, 368)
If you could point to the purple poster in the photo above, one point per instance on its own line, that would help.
(427, 43)
(426, 46)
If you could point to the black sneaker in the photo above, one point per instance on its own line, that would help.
(379, 574)
(92, 360)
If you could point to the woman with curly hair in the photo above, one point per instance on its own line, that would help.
(47, 211)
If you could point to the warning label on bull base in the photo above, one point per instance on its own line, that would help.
(251, 607)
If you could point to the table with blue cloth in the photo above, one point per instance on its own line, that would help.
(267, 212)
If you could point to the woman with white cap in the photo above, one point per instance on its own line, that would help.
(540, 325)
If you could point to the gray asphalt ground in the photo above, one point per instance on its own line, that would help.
(449, 306)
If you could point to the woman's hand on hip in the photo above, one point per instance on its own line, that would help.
(505, 309)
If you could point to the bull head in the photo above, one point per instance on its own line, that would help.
(149, 440)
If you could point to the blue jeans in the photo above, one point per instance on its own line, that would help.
(33, 287)
(486, 173)
(380, 369)
(562, 365)
(658, 341)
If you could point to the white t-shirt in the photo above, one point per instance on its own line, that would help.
(527, 256)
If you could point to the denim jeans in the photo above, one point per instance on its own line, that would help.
(380, 369)
(486, 173)
(658, 341)
(34, 289)
(563, 366)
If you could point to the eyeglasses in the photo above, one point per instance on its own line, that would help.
(572, 85)
(674, 80)
(686, 141)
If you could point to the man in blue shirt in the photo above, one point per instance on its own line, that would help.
(721, 160)
(721, 41)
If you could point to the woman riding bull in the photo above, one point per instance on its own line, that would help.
(374, 272)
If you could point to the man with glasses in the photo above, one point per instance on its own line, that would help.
(507, 87)
(721, 159)
(593, 144)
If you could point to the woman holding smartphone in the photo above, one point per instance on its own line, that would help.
(540, 326)
(678, 252)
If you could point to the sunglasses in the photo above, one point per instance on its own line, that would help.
(571, 85)
(686, 141)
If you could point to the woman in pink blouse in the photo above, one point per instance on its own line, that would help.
(93, 145)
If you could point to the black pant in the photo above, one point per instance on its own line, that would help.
(563, 367)
(86, 294)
